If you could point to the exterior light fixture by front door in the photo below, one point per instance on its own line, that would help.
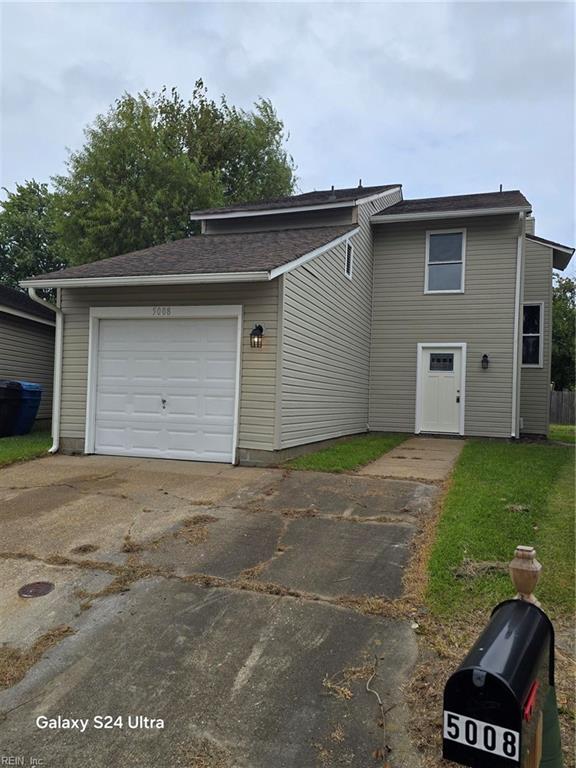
(485, 361)
(256, 335)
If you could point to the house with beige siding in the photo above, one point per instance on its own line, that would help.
(293, 321)
(27, 346)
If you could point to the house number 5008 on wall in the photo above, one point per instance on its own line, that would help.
(161, 311)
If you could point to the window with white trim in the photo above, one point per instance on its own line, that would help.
(349, 259)
(445, 261)
(532, 335)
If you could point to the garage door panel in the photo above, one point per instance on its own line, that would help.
(219, 407)
(190, 364)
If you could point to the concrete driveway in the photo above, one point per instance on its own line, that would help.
(236, 607)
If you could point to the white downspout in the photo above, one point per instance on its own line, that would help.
(57, 386)
(517, 309)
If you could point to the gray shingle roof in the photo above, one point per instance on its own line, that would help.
(507, 199)
(9, 297)
(319, 197)
(205, 254)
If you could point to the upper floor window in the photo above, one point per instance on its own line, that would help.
(532, 335)
(445, 261)
(349, 264)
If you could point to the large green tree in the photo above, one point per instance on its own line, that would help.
(29, 243)
(155, 157)
(563, 332)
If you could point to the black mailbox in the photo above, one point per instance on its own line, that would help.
(494, 700)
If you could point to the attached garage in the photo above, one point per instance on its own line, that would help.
(164, 382)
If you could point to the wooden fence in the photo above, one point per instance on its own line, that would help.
(562, 407)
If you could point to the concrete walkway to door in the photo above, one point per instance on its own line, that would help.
(420, 458)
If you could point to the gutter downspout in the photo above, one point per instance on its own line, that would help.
(57, 385)
(517, 306)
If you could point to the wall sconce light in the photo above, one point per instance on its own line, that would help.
(485, 361)
(256, 337)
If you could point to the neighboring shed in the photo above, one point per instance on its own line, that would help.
(27, 345)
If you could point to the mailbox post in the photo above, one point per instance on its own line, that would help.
(494, 702)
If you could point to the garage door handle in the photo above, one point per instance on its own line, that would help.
(163, 403)
(457, 398)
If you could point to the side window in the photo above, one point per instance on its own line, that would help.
(445, 261)
(349, 262)
(532, 335)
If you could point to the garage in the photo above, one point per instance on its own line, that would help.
(164, 382)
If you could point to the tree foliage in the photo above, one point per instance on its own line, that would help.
(153, 158)
(29, 243)
(563, 332)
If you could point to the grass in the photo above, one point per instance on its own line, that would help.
(566, 433)
(23, 447)
(500, 495)
(503, 495)
(348, 455)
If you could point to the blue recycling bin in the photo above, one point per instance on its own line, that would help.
(10, 393)
(30, 397)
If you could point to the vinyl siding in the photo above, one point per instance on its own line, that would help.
(258, 371)
(482, 316)
(326, 342)
(27, 353)
(535, 382)
(327, 217)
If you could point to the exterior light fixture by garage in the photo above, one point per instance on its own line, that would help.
(485, 361)
(256, 337)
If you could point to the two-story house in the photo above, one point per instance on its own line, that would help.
(301, 319)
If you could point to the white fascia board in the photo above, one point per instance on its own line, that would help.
(270, 211)
(362, 200)
(111, 282)
(312, 254)
(446, 214)
(26, 316)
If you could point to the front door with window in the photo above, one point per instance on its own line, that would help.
(440, 390)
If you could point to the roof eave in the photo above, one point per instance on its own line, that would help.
(561, 254)
(223, 214)
(561, 259)
(391, 218)
(25, 315)
(137, 280)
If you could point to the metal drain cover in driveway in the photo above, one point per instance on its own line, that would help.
(36, 589)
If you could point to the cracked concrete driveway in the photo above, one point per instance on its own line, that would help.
(245, 608)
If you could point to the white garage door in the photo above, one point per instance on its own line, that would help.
(166, 388)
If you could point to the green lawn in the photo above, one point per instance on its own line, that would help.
(503, 495)
(566, 433)
(348, 455)
(23, 447)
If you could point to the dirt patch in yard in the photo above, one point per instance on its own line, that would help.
(472, 569)
(15, 662)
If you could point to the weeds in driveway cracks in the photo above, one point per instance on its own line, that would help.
(14, 662)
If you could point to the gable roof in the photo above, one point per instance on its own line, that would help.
(205, 258)
(561, 253)
(329, 198)
(481, 203)
(15, 302)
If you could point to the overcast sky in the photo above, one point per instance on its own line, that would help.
(444, 98)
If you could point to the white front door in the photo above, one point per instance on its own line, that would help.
(167, 388)
(440, 390)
